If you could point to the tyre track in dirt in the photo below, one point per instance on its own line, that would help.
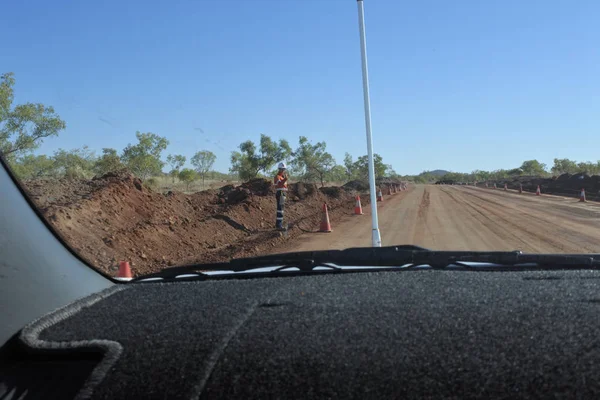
(465, 218)
(558, 225)
(526, 234)
(485, 225)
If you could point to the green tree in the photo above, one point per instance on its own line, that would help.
(426, 177)
(533, 167)
(143, 159)
(564, 166)
(499, 174)
(108, 162)
(481, 175)
(389, 171)
(312, 161)
(588, 168)
(176, 161)
(362, 167)
(34, 166)
(337, 174)
(76, 163)
(23, 128)
(187, 176)
(351, 172)
(516, 172)
(203, 161)
(7, 81)
(248, 162)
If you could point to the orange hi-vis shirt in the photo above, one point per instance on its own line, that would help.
(280, 182)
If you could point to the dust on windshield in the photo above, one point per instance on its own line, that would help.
(161, 136)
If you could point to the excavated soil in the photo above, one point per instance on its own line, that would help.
(115, 217)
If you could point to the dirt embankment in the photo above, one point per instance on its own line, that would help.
(115, 217)
(565, 185)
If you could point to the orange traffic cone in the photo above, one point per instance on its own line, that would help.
(520, 188)
(379, 195)
(538, 192)
(582, 195)
(325, 225)
(505, 187)
(124, 272)
(358, 208)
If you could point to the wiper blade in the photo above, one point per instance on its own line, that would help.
(405, 256)
(237, 265)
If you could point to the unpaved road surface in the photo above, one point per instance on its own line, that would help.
(467, 218)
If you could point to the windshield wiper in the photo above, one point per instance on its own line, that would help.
(396, 257)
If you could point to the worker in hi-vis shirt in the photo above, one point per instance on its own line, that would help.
(280, 182)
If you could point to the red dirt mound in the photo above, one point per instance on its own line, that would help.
(115, 218)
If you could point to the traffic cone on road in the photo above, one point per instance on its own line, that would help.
(357, 207)
(538, 192)
(325, 225)
(520, 188)
(505, 187)
(582, 195)
(379, 195)
(124, 271)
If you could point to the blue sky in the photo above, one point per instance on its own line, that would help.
(458, 85)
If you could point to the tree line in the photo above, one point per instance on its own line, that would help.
(528, 168)
(309, 162)
(142, 158)
(24, 127)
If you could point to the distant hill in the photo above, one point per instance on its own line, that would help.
(439, 172)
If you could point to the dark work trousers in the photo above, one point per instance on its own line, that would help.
(280, 196)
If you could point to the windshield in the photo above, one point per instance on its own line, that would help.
(167, 134)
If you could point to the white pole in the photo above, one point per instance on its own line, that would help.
(376, 236)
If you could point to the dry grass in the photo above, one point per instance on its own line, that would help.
(164, 184)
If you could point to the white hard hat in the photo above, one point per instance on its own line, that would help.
(281, 165)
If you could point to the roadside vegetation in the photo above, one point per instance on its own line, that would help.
(23, 128)
(532, 168)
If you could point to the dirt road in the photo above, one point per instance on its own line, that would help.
(468, 218)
